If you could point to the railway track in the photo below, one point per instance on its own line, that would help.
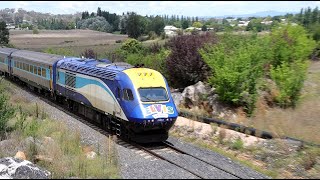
(159, 148)
(150, 149)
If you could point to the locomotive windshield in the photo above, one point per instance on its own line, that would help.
(153, 94)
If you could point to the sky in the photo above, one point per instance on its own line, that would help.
(185, 8)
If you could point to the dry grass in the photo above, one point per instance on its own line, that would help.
(301, 122)
(54, 146)
(75, 40)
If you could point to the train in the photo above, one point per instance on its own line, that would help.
(134, 102)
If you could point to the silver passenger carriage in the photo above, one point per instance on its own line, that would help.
(5, 59)
(34, 67)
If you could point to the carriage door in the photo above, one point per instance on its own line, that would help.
(117, 108)
(10, 64)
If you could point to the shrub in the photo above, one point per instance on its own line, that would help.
(238, 144)
(184, 64)
(154, 61)
(152, 35)
(35, 31)
(131, 46)
(290, 43)
(89, 53)
(289, 79)
(237, 65)
(6, 112)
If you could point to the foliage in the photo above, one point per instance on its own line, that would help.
(6, 112)
(60, 51)
(184, 64)
(290, 43)
(156, 25)
(197, 24)
(4, 33)
(89, 53)
(237, 65)
(95, 23)
(131, 46)
(35, 31)
(238, 144)
(135, 25)
(289, 79)
(152, 35)
(156, 61)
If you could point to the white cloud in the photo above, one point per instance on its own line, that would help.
(186, 8)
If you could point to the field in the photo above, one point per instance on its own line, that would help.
(75, 40)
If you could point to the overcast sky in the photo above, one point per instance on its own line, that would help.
(186, 8)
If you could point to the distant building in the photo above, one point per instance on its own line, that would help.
(9, 26)
(170, 30)
(243, 23)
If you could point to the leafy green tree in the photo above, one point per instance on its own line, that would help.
(157, 25)
(197, 24)
(290, 43)
(204, 28)
(185, 24)
(135, 25)
(4, 33)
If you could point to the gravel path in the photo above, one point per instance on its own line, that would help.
(135, 164)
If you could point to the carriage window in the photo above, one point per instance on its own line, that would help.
(39, 71)
(70, 80)
(44, 72)
(127, 95)
(31, 68)
(15, 64)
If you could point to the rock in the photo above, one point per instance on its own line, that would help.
(20, 155)
(14, 168)
(177, 98)
(195, 92)
(91, 155)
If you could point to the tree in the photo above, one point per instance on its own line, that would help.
(185, 65)
(4, 33)
(185, 24)
(157, 25)
(99, 13)
(135, 25)
(197, 24)
(204, 28)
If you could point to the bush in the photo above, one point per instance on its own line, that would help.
(238, 144)
(35, 31)
(152, 35)
(89, 53)
(6, 112)
(184, 64)
(289, 79)
(290, 43)
(131, 46)
(237, 65)
(156, 61)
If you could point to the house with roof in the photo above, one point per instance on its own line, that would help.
(171, 30)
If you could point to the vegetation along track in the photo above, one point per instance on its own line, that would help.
(150, 148)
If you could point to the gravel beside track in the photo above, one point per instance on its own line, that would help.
(136, 164)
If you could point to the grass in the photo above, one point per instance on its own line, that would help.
(53, 146)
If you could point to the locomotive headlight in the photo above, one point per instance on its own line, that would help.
(152, 120)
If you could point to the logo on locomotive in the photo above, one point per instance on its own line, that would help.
(159, 111)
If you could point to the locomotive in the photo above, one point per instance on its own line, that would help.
(134, 102)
